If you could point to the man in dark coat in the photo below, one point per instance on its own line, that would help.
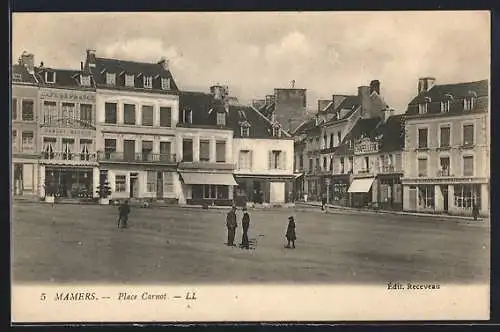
(290, 233)
(323, 202)
(123, 210)
(475, 211)
(245, 222)
(231, 226)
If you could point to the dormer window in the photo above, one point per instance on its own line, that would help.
(129, 80)
(469, 103)
(245, 131)
(148, 82)
(110, 78)
(85, 80)
(445, 106)
(187, 116)
(50, 77)
(422, 108)
(221, 119)
(277, 131)
(165, 83)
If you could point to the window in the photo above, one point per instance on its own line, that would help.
(221, 119)
(220, 147)
(14, 136)
(426, 196)
(49, 112)
(422, 138)
(444, 163)
(85, 80)
(129, 80)
(331, 141)
(422, 108)
(301, 162)
(445, 106)
(48, 148)
(86, 113)
(339, 138)
(351, 164)
(27, 140)
(186, 116)
(165, 151)
(147, 150)
(50, 77)
(342, 165)
(275, 160)
(325, 141)
(109, 147)
(14, 108)
(245, 159)
(422, 166)
(318, 165)
(110, 78)
(215, 191)
(468, 132)
(187, 149)
(204, 150)
(129, 114)
(466, 195)
(444, 138)
(165, 116)
(68, 148)
(85, 148)
(165, 83)
(151, 182)
(68, 113)
(168, 182)
(367, 164)
(148, 82)
(311, 166)
(120, 183)
(468, 165)
(129, 149)
(110, 113)
(469, 103)
(27, 109)
(245, 131)
(325, 166)
(331, 164)
(147, 115)
(277, 133)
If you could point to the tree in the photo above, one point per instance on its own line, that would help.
(104, 190)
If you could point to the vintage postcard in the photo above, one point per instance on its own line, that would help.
(250, 166)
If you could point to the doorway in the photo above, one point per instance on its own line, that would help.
(134, 185)
(444, 189)
(159, 185)
(412, 198)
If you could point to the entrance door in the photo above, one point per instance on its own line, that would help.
(257, 192)
(413, 199)
(159, 185)
(134, 185)
(444, 189)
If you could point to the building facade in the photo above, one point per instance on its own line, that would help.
(447, 148)
(24, 117)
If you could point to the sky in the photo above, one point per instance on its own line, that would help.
(324, 52)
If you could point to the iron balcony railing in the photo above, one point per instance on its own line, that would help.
(443, 172)
(91, 156)
(148, 157)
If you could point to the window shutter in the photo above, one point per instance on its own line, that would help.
(270, 160)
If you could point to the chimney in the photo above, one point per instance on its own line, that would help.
(81, 65)
(364, 98)
(91, 58)
(28, 61)
(218, 92)
(337, 100)
(425, 84)
(164, 63)
(322, 104)
(375, 87)
(269, 99)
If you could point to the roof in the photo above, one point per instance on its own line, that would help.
(393, 133)
(455, 93)
(199, 103)
(350, 103)
(21, 75)
(363, 127)
(260, 126)
(139, 69)
(67, 78)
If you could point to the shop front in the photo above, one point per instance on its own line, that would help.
(390, 193)
(203, 188)
(264, 190)
(69, 182)
(361, 192)
(339, 185)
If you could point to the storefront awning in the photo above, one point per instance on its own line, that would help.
(207, 178)
(361, 185)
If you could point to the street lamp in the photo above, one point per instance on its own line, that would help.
(327, 181)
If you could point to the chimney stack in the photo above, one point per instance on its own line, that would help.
(91, 61)
(81, 65)
(375, 87)
(218, 92)
(164, 63)
(425, 84)
(28, 61)
(364, 98)
(270, 99)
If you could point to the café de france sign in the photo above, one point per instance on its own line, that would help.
(365, 145)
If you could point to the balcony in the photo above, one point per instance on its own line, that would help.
(69, 158)
(386, 169)
(25, 148)
(443, 173)
(138, 157)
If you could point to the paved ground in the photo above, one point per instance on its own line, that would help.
(71, 243)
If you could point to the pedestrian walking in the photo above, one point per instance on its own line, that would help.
(323, 202)
(123, 212)
(231, 225)
(290, 232)
(475, 211)
(245, 222)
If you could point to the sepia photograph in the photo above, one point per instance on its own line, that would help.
(250, 166)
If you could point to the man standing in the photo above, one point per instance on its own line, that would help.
(123, 211)
(245, 222)
(231, 226)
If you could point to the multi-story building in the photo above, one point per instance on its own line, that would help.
(137, 109)
(263, 152)
(67, 133)
(447, 144)
(204, 148)
(24, 113)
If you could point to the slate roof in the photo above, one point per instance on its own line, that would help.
(392, 131)
(260, 127)
(138, 69)
(20, 74)
(364, 127)
(199, 103)
(457, 92)
(66, 78)
(351, 103)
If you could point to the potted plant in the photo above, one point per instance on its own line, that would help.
(104, 191)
